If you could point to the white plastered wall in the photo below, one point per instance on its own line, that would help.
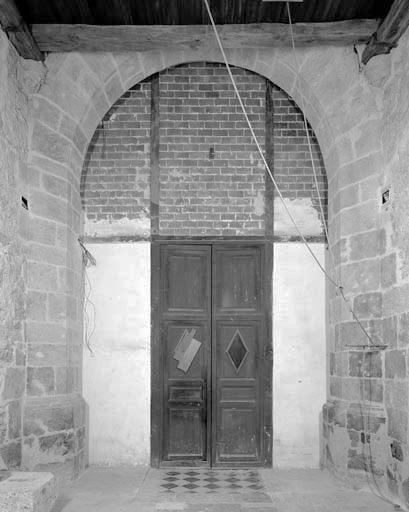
(299, 369)
(116, 381)
(117, 378)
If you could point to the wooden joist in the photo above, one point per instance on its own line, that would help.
(122, 38)
(17, 31)
(389, 31)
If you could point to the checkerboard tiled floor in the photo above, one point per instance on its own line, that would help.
(211, 481)
(133, 489)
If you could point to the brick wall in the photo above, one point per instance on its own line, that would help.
(292, 160)
(212, 181)
(203, 193)
(115, 180)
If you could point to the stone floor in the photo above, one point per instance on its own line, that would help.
(148, 490)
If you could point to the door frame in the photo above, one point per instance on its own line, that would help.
(156, 352)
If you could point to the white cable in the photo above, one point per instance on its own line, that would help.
(261, 151)
(298, 73)
(324, 222)
(339, 287)
(330, 279)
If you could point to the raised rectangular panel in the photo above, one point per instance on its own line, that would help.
(238, 280)
(185, 394)
(186, 434)
(237, 394)
(186, 280)
(238, 435)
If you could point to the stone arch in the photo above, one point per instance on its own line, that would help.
(82, 88)
(143, 229)
(92, 381)
(78, 90)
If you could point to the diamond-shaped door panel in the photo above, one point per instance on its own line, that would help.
(237, 351)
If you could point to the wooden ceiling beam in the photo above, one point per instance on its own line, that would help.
(122, 38)
(389, 31)
(17, 31)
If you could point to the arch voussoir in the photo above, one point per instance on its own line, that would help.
(86, 85)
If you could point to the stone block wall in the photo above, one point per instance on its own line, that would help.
(355, 421)
(394, 258)
(361, 123)
(39, 302)
(41, 277)
(366, 417)
(54, 410)
(211, 177)
(13, 155)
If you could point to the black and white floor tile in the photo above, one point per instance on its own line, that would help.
(211, 481)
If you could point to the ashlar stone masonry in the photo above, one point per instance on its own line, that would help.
(360, 121)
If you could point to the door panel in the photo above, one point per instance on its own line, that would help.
(238, 280)
(186, 417)
(186, 280)
(241, 363)
(238, 441)
(186, 273)
(237, 392)
(237, 348)
(186, 435)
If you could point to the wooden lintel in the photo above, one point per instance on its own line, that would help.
(122, 38)
(154, 160)
(17, 31)
(389, 31)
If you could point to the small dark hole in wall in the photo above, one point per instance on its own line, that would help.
(365, 438)
(24, 203)
(396, 451)
(211, 153)
(385, 196)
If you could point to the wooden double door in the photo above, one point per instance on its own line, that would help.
(214, 365)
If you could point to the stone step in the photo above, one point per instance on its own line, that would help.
(28, 492)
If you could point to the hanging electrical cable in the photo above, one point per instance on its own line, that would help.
(90, 323)
(89, 319)
(332, 279)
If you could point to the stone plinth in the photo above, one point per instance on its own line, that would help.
(28, 492)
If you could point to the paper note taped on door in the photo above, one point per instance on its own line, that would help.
(186, 350)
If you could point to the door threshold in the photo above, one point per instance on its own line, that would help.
(218, 466)
(184, 465)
